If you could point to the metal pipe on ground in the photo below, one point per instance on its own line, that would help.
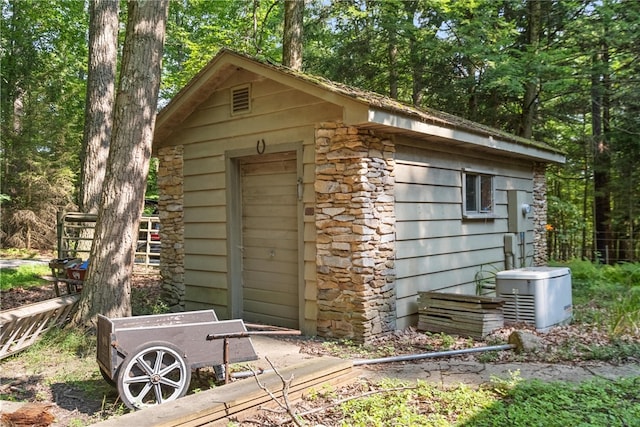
(432, 355)
(403, 358)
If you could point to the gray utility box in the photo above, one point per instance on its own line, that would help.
(539, 296)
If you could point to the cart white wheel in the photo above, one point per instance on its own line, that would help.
(154, 373)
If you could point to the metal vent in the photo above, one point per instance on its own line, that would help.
(240, 100)
(519, 308)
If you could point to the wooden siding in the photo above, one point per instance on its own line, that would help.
(436, 248)
(211, 136)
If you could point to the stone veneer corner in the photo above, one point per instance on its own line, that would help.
(355, 224)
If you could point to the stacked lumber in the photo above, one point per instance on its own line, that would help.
(466, 315)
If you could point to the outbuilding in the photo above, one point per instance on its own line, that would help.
(292, 200)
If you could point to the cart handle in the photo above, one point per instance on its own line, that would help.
(243, 334)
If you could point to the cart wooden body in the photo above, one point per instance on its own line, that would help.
(150, 358)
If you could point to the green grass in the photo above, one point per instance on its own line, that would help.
(74, 362)
(597, 402)
(512, 402)
(24, 276)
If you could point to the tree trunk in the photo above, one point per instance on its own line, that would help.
(601, 162)
(605, 156)
(393, 65)
(101, 81)
(531, 85)
(292, 39)
(107, 289)
(98, 113)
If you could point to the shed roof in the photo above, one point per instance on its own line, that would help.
(361, 108)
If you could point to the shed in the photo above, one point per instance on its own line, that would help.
(292, 200)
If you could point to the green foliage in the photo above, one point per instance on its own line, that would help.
(42, 110)
(24, 276)
(198, 29)
(512, 401)
(596, 402)
(608, 295)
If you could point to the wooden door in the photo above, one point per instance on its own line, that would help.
(270, 240)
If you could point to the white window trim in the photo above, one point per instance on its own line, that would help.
(477, 214)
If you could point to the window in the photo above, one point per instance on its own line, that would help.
(477, 191)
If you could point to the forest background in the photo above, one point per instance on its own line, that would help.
(564, 72)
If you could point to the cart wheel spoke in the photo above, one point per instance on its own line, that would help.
(138, 379)
(157, 388)
(152, 374)
(168, 369)
(145, 366)
(170, 383)
(143, 393)
(157, 366)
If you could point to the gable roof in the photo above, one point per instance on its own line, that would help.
(361, 108)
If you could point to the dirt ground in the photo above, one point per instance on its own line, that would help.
(562, 356)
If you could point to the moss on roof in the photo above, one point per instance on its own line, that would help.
(382, 102)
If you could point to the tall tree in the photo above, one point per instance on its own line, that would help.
(42, 68)
(101, 81)
(292, 34)
(529, 99)
(107, 289)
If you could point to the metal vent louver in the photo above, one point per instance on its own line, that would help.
(519, 308)
(240, 100)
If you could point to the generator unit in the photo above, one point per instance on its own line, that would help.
(540, 296)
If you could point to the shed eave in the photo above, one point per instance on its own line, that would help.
(460, 135)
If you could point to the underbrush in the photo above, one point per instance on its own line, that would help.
(607, 295)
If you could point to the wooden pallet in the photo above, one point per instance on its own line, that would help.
(467, 315)
(240, 400)
(21, 327)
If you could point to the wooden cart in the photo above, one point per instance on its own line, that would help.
(150, 358)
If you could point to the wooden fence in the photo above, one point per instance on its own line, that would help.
(75, 233)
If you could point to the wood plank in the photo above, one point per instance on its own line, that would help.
(414, 212)
(239, 399)
(21, 327)
(420, 173)
(485, 315)
(461, 314)
(444, 296)
(205, 197)
(413, 267)
(205, 263)
(259, 125)
(450, 244)
(206, 214)
(418, 193)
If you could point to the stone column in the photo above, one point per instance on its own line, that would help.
(170, 207)
(355, 223)
(539, 215)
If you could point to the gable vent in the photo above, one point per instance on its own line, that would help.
(240, 100)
